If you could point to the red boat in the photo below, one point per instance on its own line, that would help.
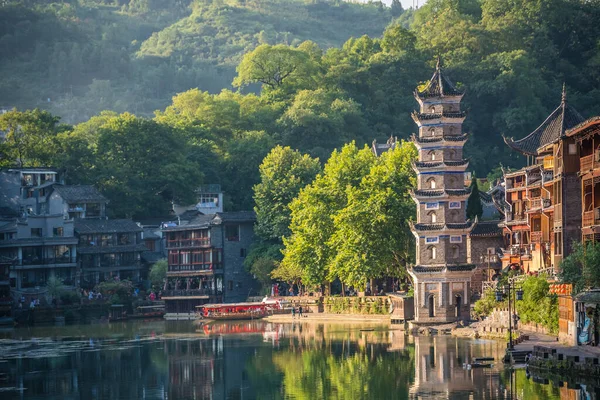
(237, 311)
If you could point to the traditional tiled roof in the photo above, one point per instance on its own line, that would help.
(437, 139)
(237, 216)
(149, 234)
(428, 227)
(85, 226)
(578, 129)
(437, 268)
(111, 249)
(487, 229)
(458, 192)
(8, 212)
(79, 193)
(439, 85)
(380, 148)
(198, 221)
(563, 118)
(439, 227)
(485, 196)
(428, 193)
(427, 116)
(438, 193)
(151, 256)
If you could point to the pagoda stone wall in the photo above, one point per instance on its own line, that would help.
(442, 274)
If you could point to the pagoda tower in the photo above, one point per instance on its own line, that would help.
(442, 273)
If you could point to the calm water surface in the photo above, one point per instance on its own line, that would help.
(252, 360)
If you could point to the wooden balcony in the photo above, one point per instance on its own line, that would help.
(535, 204)
(591, 218)
(536, 237)
(587, 163)
(548, 162)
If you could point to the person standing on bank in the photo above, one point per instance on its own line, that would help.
(300, 312)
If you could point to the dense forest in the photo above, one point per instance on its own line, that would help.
(254, 74)
(77, 58)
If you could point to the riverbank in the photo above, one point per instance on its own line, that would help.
(323, 317)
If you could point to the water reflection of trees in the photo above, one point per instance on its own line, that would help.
(327, 361)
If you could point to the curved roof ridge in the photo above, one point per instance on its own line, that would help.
(553, 128)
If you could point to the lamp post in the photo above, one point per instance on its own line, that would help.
(513, 295)
(490, 257)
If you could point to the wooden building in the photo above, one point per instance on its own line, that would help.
(540, 220)
(587, 136)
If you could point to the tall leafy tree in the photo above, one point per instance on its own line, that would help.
(372, 237)
(30, 138)
(283, 173)
(313, 212)
(582, 266)
(474, 207)
(142, 166)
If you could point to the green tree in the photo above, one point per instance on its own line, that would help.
(274, 66)
(307, 249)
(30, 138)
(372, 237)
(474, 207)
(319, 121)
(55, 287)
(538, 305)
(143, 166)
(396, 8)
(283, 173)
(582, 267)
(158, 273)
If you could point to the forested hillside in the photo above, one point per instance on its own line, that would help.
(511, 57)
(79, 57)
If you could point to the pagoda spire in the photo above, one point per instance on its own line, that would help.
(564, 93)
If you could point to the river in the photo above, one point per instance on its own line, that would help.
(254, 360)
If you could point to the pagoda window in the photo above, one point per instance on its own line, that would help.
(432, 109)
(431, 183)
(455, 251)
(431, 131)
(432, 252)
(451, 155)
(454, 216)
(433, 217)
(432, 155)
(452, 181)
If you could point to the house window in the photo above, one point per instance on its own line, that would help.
(572, 149)
(232, 233)
(229, 285)
(58, 231)
(242, 252)
(150, 245)
(123, 238)
(105, 240)
(36, 232)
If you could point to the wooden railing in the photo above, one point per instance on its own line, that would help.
(591, 218)
(536, 237)
(535, 203)
(586, 163)
(548, 162)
